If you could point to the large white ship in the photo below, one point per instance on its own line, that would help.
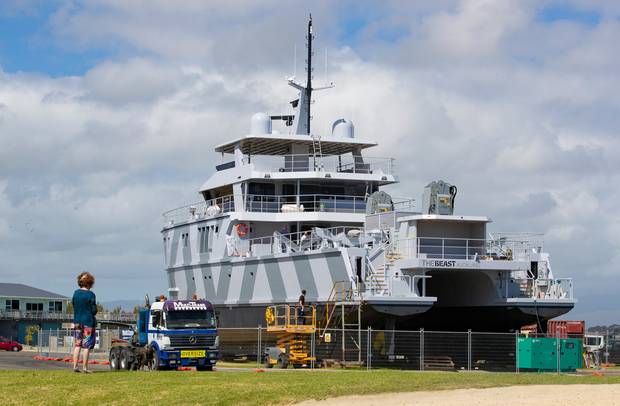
(295, 210)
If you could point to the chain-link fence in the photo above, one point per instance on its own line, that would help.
(370, 349)
(61, 341)
(607, 348)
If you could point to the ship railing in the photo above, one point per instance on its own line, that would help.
(322, 163)
(302, 241)
(466, 248)
(200, 210)
(541, 288)
(276, 204)
(407, 285)
(305, 203)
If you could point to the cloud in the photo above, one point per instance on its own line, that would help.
(520, 113)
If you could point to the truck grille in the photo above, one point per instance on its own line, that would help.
(185, 340)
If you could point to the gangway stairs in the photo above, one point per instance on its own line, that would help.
(343, 313)
(376, 275)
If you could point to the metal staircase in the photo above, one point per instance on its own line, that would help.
(376, 275)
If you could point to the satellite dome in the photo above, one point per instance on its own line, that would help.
(261, 124)
(343, 128)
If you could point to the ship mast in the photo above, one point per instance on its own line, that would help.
(301, 120)
(309, 71)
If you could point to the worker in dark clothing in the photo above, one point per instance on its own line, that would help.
(301, 306)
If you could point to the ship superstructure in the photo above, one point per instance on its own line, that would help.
(286, 212)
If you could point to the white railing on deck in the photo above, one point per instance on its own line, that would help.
(277, 204)
(324, 163)
(303, 241)
(305, 203)
(200, 210)
(541, 288)
(406, 285)
(464, 248)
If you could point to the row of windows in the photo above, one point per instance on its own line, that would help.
(205, 239)
(13, 304)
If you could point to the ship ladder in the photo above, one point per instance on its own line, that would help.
(317, 151)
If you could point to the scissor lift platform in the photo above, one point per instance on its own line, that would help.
(293, 327)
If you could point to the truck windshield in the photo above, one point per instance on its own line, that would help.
(190, 319)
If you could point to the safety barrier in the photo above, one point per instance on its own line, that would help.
(363, 349)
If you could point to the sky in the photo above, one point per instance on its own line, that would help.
(110, 109)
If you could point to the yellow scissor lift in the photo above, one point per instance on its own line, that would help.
(294, 332)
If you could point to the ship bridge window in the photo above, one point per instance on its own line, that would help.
(261, 188)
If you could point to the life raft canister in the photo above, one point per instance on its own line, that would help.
(242, 229)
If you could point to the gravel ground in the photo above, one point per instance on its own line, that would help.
(536, 395)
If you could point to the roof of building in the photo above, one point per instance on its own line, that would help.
(21, 290)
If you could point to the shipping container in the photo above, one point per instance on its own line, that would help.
(566, 328)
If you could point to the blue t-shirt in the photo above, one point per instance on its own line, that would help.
(84, 307)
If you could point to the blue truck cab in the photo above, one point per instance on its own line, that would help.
(179, 333)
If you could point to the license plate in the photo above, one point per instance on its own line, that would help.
(192, 353)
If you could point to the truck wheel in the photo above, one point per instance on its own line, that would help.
(282, 362)
(204, 367)
(115, 355)
(156, 362)
(126, 359)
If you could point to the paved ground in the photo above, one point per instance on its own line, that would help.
(539, 395)
(23, 361)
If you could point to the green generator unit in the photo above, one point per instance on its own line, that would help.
(541, 354)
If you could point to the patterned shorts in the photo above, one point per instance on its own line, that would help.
(85, 336)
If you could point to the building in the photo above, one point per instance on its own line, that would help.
(22, 306)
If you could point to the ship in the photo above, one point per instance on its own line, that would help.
(290, 210)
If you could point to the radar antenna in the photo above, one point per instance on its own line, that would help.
(302, 105)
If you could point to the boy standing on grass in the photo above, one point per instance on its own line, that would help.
(84, 322)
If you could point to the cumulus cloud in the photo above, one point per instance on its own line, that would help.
(521, 113)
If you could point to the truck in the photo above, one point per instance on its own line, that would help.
(170, 334)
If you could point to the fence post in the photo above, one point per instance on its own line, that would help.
(421, 349)
(557, 352)
(258, 349)
(469, 349)
(369, 349)
(517, 351)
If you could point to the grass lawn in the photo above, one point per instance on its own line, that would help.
(248, 388)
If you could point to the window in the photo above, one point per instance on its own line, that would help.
(185, 237)
(203, 235)
(55, 306)
(12, 304)
(34, 307)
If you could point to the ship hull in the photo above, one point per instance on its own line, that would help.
(476, 318)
